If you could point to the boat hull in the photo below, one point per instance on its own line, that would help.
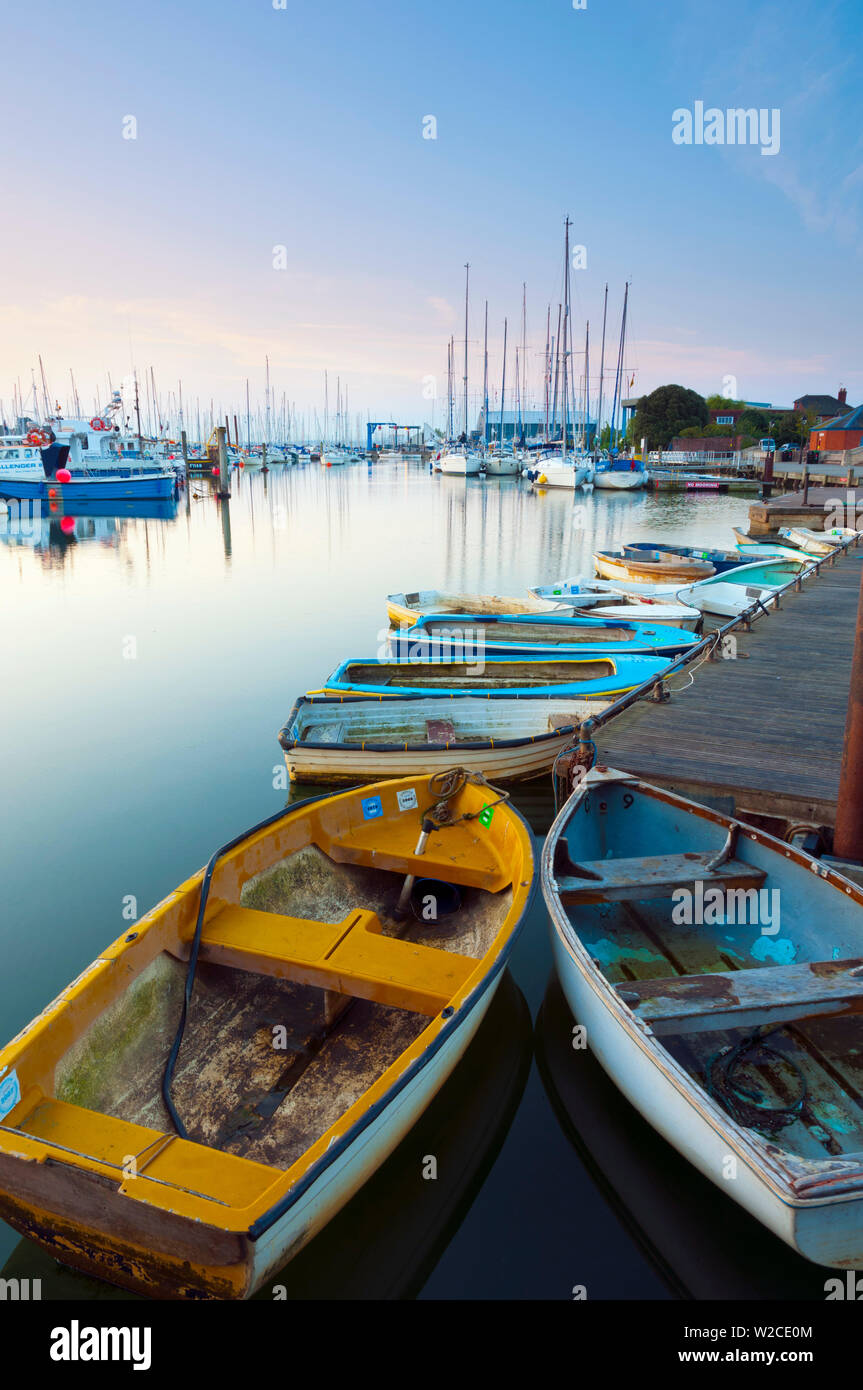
(826, 1228)
(619, 480)
(144, 487)
(650, 572)
(215, 1216)
(503, 679)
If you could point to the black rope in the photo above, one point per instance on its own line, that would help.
(741, 1101)
(168, 1074)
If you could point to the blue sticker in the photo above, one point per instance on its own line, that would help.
(10, 1093)
(372, 807)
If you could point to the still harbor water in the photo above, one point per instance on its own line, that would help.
(149, 662)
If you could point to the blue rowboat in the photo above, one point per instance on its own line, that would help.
(498, 678)
(92, 488)
(720, 559)
(455, 637)
(717, 972)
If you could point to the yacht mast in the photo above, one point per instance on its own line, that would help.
(466, 291)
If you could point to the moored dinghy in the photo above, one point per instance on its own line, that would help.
(601, 598)
(650, 566)
(298, 931)
(492, 677)
(817, 542)
(409, 607)
(510, 739)
(439, 636)
(719, 974)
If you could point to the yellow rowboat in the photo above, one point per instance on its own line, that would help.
(355, 738)
(651, 567)
(190, 1150)
(407, 609)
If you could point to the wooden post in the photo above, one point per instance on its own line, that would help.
(848, 835)
(264, 468)
(224, 467)
(184, 445)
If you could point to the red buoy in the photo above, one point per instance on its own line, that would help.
(63, 475)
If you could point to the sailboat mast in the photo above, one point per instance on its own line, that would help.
(601, 370)
(466, 292)
(618, 377)
(585, 433)
(565, 330)
(267, 430)
(485, 379)
(555, 352)
(547, 367)
(502, 385)
(523, 392)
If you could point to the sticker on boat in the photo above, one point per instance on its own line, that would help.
(485, 815)
(407, 799)
(10, 1093)
(372, 807)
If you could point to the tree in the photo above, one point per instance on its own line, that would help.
(666, 412)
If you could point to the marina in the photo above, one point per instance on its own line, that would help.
(431, 841)
(764, 773)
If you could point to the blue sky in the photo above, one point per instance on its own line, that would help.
(302, 127)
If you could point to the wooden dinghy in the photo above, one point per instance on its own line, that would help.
(601, 598)
(719, 974)
(817, 542)
(355, 738)
(318, 1028)
(751, 548)
(438, 637)
(651, 566)
(719, 559)
(496, 677)
(407, 609)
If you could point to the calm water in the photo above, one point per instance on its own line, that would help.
(149, 663)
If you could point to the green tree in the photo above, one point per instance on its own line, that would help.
(666, 412)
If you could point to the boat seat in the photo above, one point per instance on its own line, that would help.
(652, 876)
(768, 994)
(351, 957)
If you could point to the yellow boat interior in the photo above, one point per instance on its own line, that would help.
(311, 997)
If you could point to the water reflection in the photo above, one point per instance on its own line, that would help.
(702, 1243)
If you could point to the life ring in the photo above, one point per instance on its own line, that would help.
(38, 438)
(97, 423)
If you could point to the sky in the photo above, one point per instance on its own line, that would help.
(266, 124)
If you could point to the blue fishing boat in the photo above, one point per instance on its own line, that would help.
(83, 488)
(497, 678)
(459, 637)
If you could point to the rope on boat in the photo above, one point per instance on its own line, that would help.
(443, 786)
(572, 748)
(741, 1101)
(168, 1074)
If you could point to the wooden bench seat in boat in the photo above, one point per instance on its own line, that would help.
(350, 957)
(652, 876)
(768, 994)
(163, 1163)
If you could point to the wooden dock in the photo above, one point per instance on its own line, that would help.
(822, 505)
(761, 733)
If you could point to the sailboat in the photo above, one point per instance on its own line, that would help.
(621, 474)
(555, 467)
(458, 457)
(501, 462)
